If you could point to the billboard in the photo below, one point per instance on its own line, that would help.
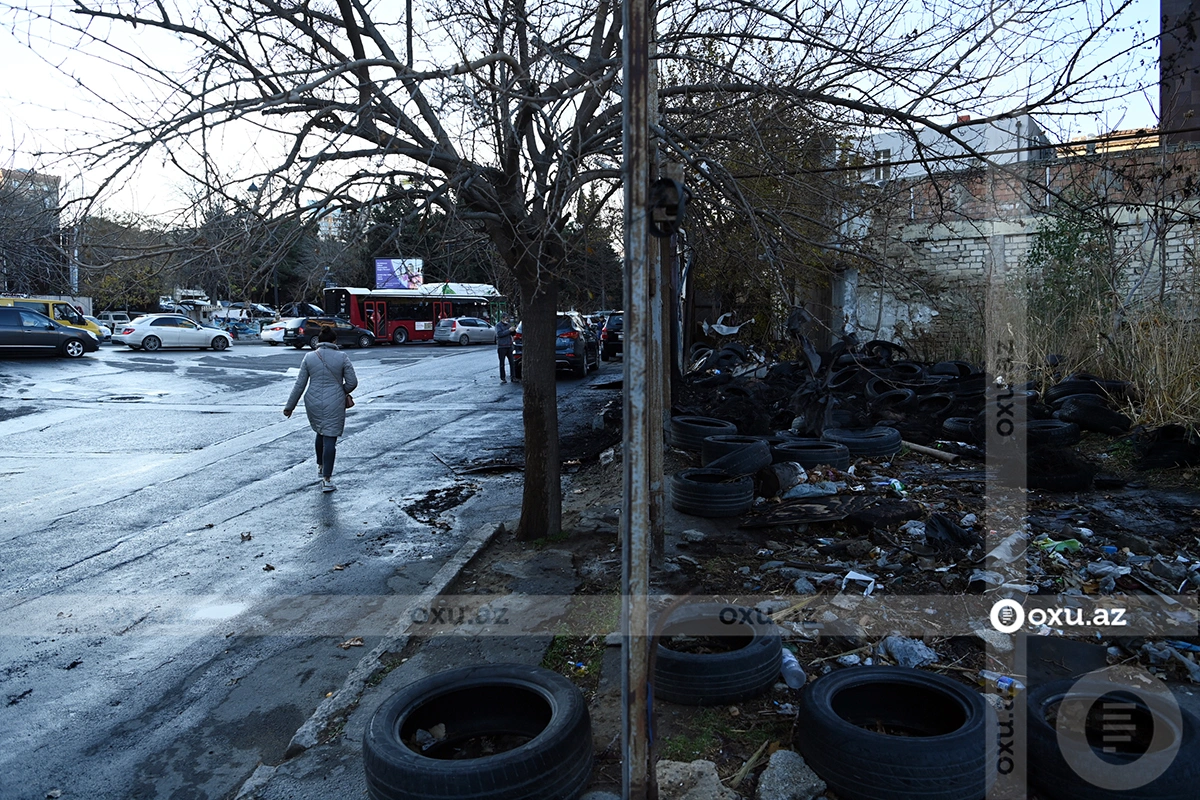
(399, 273)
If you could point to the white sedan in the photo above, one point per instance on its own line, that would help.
(155, 331)
(272, 332)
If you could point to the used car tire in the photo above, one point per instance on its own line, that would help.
(722, 444)
(495, 700)
(688, 433)
(1053, 432)
(959, 429)
(898, 399)
(73, 348)
(219, 343)
(1092, 416)
(400, 335)
(869, 443)
(744, 460)
(1051, 774)
(936, 750)
(151, 343)
(711, 493)
(750, 668)
(810, 453)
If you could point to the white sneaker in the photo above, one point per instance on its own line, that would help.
(327, 485)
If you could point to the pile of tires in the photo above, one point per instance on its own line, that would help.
(499, 730)
(882, 733)
(875, 442)
(711, 493)
(747, 666)
(810, 453)
(689, 432)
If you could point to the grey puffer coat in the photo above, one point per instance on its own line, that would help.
(329, 376)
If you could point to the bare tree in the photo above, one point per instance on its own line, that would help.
(504, 110)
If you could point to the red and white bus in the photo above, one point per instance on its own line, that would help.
(406, 315)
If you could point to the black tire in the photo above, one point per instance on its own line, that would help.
(706, 679)
(365, 341)
(474, 702)
(464, 340)
(1051, 773)
(1052, 432)
(743, 461)
(1090, 416)
(906, 371)
(869, 443)
(810, 453)
(711, 493)
(1055, 394)
(151, 343)
(898, 399)
(219, 343)
(939, 751)
(934, 405)
(959, 429)
(299, 345)
(73, 348)
(400, 335)
(313, 341)
(688, 433)
(722, 444)
(956, 369)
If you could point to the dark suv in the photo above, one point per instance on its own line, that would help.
(612, 336)
(304, 331)
(575, 345)
(25, 331)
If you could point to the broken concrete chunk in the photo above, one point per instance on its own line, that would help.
(909, 652)
(788, 777)
(697, 780)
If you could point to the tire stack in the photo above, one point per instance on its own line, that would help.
(875, 442)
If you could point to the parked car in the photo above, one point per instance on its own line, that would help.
(105, 331)
(464, 331)
(29, 332)
(292, 310)
(116, 320)
(272, 332)
(154, 331)
(575, 345)
(612, 336)
(303, 332)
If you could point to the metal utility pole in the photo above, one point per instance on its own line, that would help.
(642, 431)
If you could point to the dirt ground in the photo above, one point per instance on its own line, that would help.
(1136, 519)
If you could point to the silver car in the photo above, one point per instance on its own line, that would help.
(464, 331)
(154, 331)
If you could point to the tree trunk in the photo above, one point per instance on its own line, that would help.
(541, 505)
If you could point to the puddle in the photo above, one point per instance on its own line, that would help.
(218, 611)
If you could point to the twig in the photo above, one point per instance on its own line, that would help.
(741, 774)
(444, 464)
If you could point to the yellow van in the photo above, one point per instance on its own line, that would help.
(58, 310)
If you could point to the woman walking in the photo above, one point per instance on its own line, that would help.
(329, 377)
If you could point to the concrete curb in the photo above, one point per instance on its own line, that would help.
(351, 689)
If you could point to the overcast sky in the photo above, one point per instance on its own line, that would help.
(43, 111)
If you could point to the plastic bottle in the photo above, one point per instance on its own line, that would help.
(793, 673)
(1000, 684)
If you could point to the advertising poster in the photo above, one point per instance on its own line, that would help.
(399, 273)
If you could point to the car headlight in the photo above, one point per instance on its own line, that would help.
(89, 333)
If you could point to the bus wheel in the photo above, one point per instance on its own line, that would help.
(400, 335)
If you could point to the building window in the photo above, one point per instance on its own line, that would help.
(883, 165)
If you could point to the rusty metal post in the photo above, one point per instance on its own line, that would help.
(641, 431)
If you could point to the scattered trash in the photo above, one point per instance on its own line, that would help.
(997, 683)
(793, 673)
(1065, 546)
(356, 641)
(860, 578)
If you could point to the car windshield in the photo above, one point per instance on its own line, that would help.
(564, 324)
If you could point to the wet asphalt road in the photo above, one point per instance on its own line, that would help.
(173, 584)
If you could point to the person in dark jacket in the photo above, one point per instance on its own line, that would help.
(504, 345)
(326, 378)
